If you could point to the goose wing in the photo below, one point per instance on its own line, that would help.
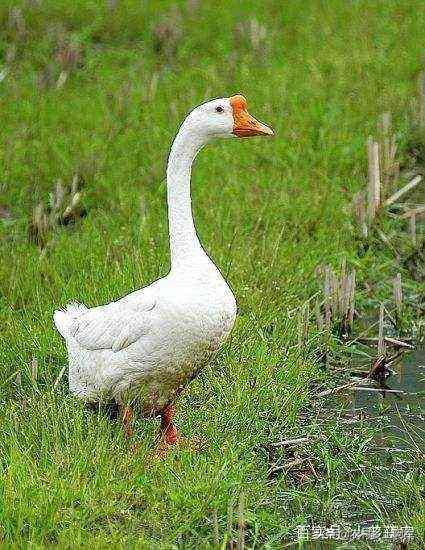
(114, 326)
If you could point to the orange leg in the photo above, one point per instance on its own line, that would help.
(170, 437)
(169, 434)
(127, 420)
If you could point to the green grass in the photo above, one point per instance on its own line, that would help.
(268, 211)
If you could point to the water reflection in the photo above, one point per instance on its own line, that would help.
(402, 415)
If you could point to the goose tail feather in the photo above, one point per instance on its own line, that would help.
(63, 318)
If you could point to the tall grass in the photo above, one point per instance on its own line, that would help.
(98, 89)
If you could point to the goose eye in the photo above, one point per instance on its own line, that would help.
(219, 109)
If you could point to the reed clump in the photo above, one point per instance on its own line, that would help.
(386, 192)
(64, 208)
(254, 33)
(167, 35)
(336, 311)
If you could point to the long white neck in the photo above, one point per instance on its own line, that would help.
(184, 243)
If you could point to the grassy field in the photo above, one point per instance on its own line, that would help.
(99, 88)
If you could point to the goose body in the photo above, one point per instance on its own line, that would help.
(148, 345)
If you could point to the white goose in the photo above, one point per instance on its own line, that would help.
(149, 344)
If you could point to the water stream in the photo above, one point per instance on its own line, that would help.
(402, 416)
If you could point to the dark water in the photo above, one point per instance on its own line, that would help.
(402, 417)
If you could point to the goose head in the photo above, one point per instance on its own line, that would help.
(225, 117)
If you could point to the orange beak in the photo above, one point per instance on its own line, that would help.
(245, 125)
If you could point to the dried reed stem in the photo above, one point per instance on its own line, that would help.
(374, 182)
(398, 292)
(359, 203)
(18, 379)
(416, 211)
(339, 299)
(59, 378)
(388, 149)
(34, 369)
(421, 101)
(303, 324)
(241, 522)
(381, 341)
(352, 299)
(320, 321)
(412, 224)
(408, 187)
(385, 127)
